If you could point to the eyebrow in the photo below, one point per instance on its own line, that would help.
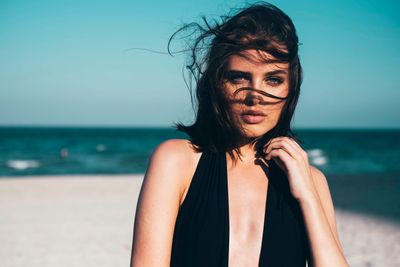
(274, 72)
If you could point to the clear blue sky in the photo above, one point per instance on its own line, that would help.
(65, 62)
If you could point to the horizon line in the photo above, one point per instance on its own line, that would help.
(172, 127)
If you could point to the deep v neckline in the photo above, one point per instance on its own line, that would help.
(266, 213)
(202, 229)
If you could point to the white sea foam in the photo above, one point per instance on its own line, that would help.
(316, 152)
(319, 161)
(19, 164)
(317, 157)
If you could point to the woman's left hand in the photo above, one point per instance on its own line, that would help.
(293, 160)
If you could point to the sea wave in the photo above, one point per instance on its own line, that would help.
(317, 157)
(19, 164)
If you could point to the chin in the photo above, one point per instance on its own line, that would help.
(255, 131)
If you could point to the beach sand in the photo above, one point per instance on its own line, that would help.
(88, 221)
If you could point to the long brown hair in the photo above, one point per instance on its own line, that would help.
(260, 26)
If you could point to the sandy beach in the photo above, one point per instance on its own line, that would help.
(88, 221)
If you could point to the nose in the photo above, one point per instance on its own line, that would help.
(252, 98)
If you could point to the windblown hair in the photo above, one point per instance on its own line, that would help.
(261, 26)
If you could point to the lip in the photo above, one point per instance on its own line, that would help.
(253, 112)
(253, 116)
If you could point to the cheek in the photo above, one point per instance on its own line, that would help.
(276, 109)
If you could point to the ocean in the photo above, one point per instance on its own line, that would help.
(72, 150)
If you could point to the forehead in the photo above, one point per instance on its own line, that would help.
(255, 60)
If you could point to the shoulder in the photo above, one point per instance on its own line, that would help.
(175, 160)
(324, 194)
(173, 151)
(319, 179)
(158, 202)
(317, 173)
(174, 145)
(165, 179)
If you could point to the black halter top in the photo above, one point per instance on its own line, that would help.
(201, 235)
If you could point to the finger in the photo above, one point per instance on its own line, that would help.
(286, 141)
(300, 150)
(295, 143)
(276, 139)
(281, 157)
(279, 145)
(283, 144)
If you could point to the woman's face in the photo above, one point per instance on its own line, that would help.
(253, 112)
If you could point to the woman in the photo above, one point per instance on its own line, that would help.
(241, 192)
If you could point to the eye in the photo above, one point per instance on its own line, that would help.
(274, 80)
(235, 77)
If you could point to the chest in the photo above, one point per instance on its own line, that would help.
(247, 195)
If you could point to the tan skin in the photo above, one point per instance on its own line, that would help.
(165, 186)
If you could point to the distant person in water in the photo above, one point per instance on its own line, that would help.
(64, 153)
(240, 192)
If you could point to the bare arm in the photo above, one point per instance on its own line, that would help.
(309, 186)
(158, 205)
(319, 216)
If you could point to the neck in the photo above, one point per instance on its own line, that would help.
(247, 149)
